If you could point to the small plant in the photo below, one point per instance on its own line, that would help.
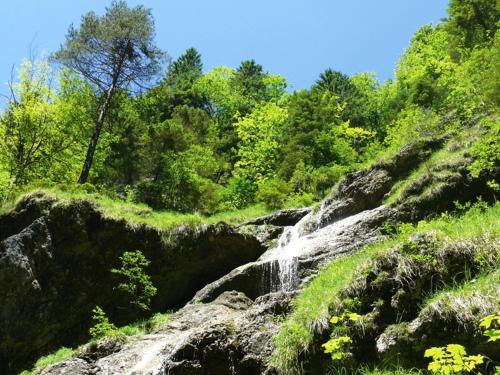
(102, 327)
(491, 326)
(137, 283)
(337, 347)
(345, 317)
(452, 359)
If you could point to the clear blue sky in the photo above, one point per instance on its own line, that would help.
(295, 38)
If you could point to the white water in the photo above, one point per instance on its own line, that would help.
(295, 244)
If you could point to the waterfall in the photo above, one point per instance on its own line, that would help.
(296, 243)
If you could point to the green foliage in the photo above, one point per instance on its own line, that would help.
(259, 136)
(56, 357)
(239, 193)
(273, 193)
(337, 347)
(102, 326)
(33, 134)
(486, 152)
(491, 326)
(136, 282)
(202, 142)
(452, 359)
(472, 23)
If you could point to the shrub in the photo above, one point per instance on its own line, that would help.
(239, 193)
(102, 327)
(273, 193)
(136, 283)
(452, 359)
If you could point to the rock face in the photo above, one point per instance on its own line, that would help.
(283, 218)
(229, 336)
(55, 262)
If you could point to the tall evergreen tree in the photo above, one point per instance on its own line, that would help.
(113, 51)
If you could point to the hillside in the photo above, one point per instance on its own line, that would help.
(218, 223)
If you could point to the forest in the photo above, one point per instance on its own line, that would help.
(157, 217)
(193, 141)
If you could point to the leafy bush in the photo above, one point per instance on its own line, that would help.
(337, 347)
(136, 283)
(452, 359)
(486, 152)
(239, 193)
(102, 326)
(491, 325)
(273, 193)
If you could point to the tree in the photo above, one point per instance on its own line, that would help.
(135, 281)
(472, 23)
(337, 83)
(112, 51)
(187, 68)
(259, 136)
(249, 79)
(33, 135)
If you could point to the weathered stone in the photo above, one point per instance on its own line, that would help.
(57, 268)
(283, 218)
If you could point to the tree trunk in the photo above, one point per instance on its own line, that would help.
(103, 110)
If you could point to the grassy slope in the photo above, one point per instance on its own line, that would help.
(311, 307)
(141, 213)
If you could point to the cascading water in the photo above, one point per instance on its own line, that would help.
(296, 242)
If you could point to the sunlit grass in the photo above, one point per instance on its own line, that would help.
(135, 213)
(311, 308)
(56, 357)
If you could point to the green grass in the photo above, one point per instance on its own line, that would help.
(311, 307)
(56, 357)
(486, 284)
(429, 168)
(137, 214)
(146, 326)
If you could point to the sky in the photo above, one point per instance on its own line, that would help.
(295, 38)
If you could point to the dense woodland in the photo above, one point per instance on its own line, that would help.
(191, 140)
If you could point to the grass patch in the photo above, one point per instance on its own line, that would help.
(146, 326)
(58, 356)
(138, 214)
(311, 308)
(485, 285)
(434, 168)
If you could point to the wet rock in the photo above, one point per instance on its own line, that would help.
(262, 276)
(230, 335)
(365, 189)
(103, 347)
(75, 366)
(265, 233)
(57, 268)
